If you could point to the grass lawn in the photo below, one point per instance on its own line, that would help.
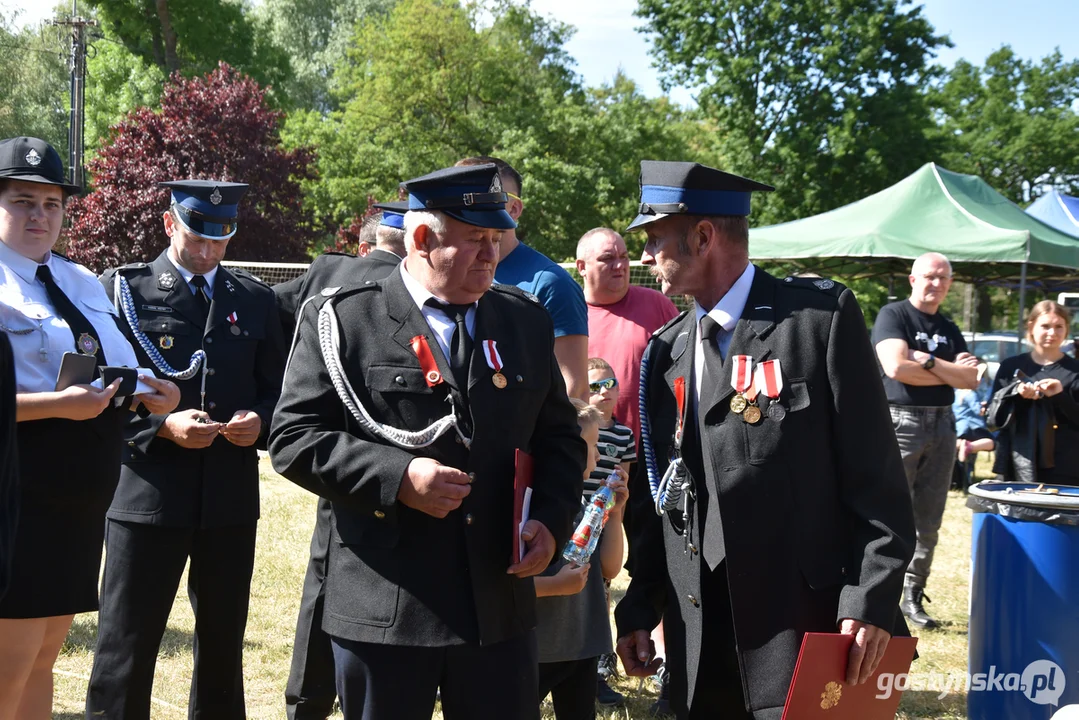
(288, 515)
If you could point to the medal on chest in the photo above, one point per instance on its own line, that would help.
(769, 379)
(494, 361)
(431, 375)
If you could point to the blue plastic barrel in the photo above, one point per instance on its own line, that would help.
(1024, 601)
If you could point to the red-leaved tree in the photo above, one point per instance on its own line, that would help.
(215, 127)
(347, 239)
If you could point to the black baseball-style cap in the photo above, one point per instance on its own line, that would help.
(32, 160)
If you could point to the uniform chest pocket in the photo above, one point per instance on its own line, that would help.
(764, 438)
(24, 317)
(164, 325)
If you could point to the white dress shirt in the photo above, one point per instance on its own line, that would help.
(39, 336)
(439, 322)
(726, 313)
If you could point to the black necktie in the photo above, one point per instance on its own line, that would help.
(201, 297)
(460, 344)
(82, 330)
(714, 550)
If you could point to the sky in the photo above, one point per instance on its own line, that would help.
(606, 38)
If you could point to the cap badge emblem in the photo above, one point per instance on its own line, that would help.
(496, 184)
(215, 197)
(33, 158)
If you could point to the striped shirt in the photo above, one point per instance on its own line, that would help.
(616, 446)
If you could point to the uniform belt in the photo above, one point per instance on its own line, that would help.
(923, 409)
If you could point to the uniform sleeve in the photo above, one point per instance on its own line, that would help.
(269, 369)
(889, 326)
(646, 597)
(872, 482)
(314, 442)
(564, 300)
(558, 453)
(288, 296)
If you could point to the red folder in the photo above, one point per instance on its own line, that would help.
(818, 689)
(522, 496)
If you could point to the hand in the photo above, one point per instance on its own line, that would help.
(540, 543)
(1029, 391)
(433, 488)
(185, 429)
(967, 360)
(620, 490)
(638, 654)
(870, 642)
(572, 578)
(243, 428)
(917, 356)
(1050, 386)
(164, 398)
(83, 402)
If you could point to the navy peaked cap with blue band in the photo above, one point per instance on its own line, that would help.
(393, 214)
(207, 207)
(472, 194)
(687, 188)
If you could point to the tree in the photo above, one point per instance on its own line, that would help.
(821, 98)
(117, 83)
(1013, 122)
(33, 83)
(218, 126)
(429, 83)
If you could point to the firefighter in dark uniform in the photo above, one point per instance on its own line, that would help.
(404, 404)
(189, 482)
(787, 509)
(310, 691)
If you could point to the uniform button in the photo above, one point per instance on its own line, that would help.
(693, 601)
(246, 333)
(520, 379)
(468, 519)
(693, 548)
(211, 371)
(209, 340)
(212, 405)
(400, 380)
(379, 514)
(471, 478)
(458, 439)
(131, 443)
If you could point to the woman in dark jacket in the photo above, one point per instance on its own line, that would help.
(1036, 404)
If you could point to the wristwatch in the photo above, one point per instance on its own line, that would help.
(929, 363)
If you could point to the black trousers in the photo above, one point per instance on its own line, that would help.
(143, 565)
(719, 691)
(391, 682)
(572, 687)
(310, 690)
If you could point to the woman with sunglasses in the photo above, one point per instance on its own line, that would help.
(69, 440)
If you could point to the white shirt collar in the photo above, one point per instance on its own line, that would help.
(23, 266)
(420, 294)
(730, 306)
(187, 274)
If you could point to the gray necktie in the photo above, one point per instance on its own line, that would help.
(711, 332)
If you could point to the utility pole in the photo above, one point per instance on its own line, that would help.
(77, 63)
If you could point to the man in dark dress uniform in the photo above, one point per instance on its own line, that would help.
(794, 515)
(404, 404)
(310, 691)
(189, 482)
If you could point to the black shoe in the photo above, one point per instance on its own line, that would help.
(911, 606)
(608, 696)
(662, 705)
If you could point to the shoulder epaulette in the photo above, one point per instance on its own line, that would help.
(670, 323)
(133, 266)
(825, 285)
(247, 275)
(516, 292)
(63, 257)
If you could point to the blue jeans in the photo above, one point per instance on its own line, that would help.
(926, 438)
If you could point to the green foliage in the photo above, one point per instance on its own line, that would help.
(1013, 122)
(821, 98)
(430, 83)
(117, 83)
(33, 83)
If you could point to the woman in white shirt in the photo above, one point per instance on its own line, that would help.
(69, 441)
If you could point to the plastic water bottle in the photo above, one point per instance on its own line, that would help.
(585, 538)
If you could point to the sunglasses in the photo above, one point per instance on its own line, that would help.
(601, 385)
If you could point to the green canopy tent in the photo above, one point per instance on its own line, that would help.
(987, 238)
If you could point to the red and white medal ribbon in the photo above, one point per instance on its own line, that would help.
(742, 373)
(233, 318)
(490, 354)
(769, 378)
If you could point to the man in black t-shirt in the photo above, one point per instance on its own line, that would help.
(922, 358)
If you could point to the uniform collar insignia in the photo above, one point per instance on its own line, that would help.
(166, 280)
(228, 284)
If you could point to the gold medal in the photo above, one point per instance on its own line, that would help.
(752, 414)
(738, 403)
(166, 342)
(498, 380)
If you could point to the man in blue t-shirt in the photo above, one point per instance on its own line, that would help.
(534, 272)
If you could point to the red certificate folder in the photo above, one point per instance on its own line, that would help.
(522, 498)
(818, 690)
